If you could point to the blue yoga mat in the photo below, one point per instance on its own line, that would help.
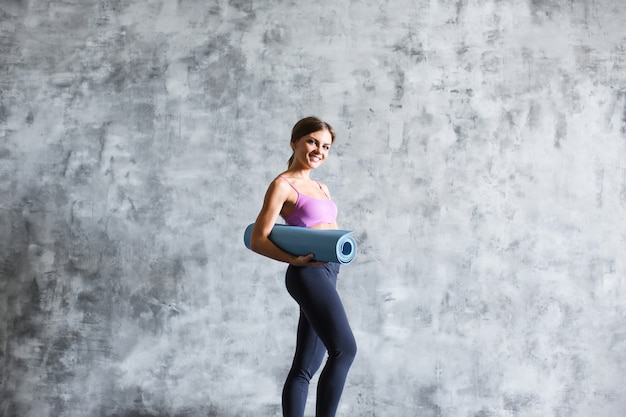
(336, 246)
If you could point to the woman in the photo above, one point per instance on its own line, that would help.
(323, 326)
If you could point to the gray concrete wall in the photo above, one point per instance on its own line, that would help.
(480, 160)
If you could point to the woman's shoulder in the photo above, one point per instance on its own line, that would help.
(281, 184)
(285, 179)
(280, 180)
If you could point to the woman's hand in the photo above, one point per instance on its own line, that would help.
(305, 260)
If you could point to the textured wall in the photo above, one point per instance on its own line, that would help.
(480, 160)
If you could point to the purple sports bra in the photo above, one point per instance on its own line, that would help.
(310, 211)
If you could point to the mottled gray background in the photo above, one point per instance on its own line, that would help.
(480, 159)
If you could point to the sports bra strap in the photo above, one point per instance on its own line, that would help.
(289, 182)
(292, 186)
(322, 188)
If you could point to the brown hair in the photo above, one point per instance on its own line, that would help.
(306, 126)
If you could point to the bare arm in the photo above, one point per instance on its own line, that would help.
(276, 195)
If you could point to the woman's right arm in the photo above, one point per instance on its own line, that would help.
(276, 195)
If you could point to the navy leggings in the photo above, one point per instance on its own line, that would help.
(323, 327)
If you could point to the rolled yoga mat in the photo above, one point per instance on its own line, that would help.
(327, 245)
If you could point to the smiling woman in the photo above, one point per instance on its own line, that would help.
(323, 327)
(310, 126)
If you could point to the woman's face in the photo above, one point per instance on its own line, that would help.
(310, 151)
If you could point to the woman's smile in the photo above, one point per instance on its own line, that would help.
(312, 149)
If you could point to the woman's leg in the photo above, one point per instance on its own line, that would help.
(309, 354)
(322, 314)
